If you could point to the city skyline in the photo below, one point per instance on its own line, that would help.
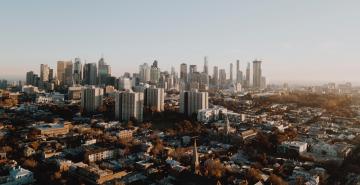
(302, 43)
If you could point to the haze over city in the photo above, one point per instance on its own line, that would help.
(298, 42)
(188, 92)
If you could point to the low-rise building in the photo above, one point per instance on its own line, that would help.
(125, 134)
(99, 154)
(18, 176)
(293, 146)
(52, 129)
(93, 174)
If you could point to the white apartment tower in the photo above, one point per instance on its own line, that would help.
(129, 105)
(154, 99)
(91, 98)
(193, 101)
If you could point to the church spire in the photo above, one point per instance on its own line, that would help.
(196, 164)
(227, 126)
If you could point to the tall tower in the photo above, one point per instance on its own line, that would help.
(216, 76)
(44, 72)
(154, 99)
(129, 105)
(195, 161)
(64, 72)
(193, 101)
(231, 72)
(257, 74)
(193, 69)
(206, 67)
(90, 74)
(183, 72)
(154, 72)
(238, 75)
(77, 71)
(248, 75)
(91, 99)
(104, 71)
(222, 77)
(144, 71)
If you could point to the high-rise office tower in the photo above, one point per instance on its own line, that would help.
(193, 101)
(183, 72)
(257, 74)
(44, 73)
(91, 99)
(68, 76)
(129, 105)
(231, 72)
(154, 73)
(104, 71)
(222, 77)
(206, 67)
(51, 74)
(173, 72)
(154, 99)
(238, 75)
(64, 72)
(215, 77)
(192, 69)
(124, 84)
(144, 72)
(263, 83)
(77, 75)
(203, 81)
(30, 78)
(90, 74)
(247, 76)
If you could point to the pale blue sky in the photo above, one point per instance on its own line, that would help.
(297, 40)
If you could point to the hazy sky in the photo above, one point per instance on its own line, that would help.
(297, 40)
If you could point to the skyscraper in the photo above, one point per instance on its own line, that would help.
(193, 101)
(68, 76)
(238, 75)
(91, 99)
(257, 74)
(77, 75)
(124, 84)
(215, 77)
(90, 74)
(247, 76)
(263, 83)
(231, 72)
(144, 72)
(51, 74)
(104, 71)
(64, 72)
(44, 73)
(206, 67)
(154, 72)
(154, 99)
(222, 77)
(30, 78)
(192, 69)
(183, 72)
(129, 105)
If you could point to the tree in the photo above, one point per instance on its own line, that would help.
(214, 168)
(30, 163)
(158, 147)
(254, 175)
(276, 180)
